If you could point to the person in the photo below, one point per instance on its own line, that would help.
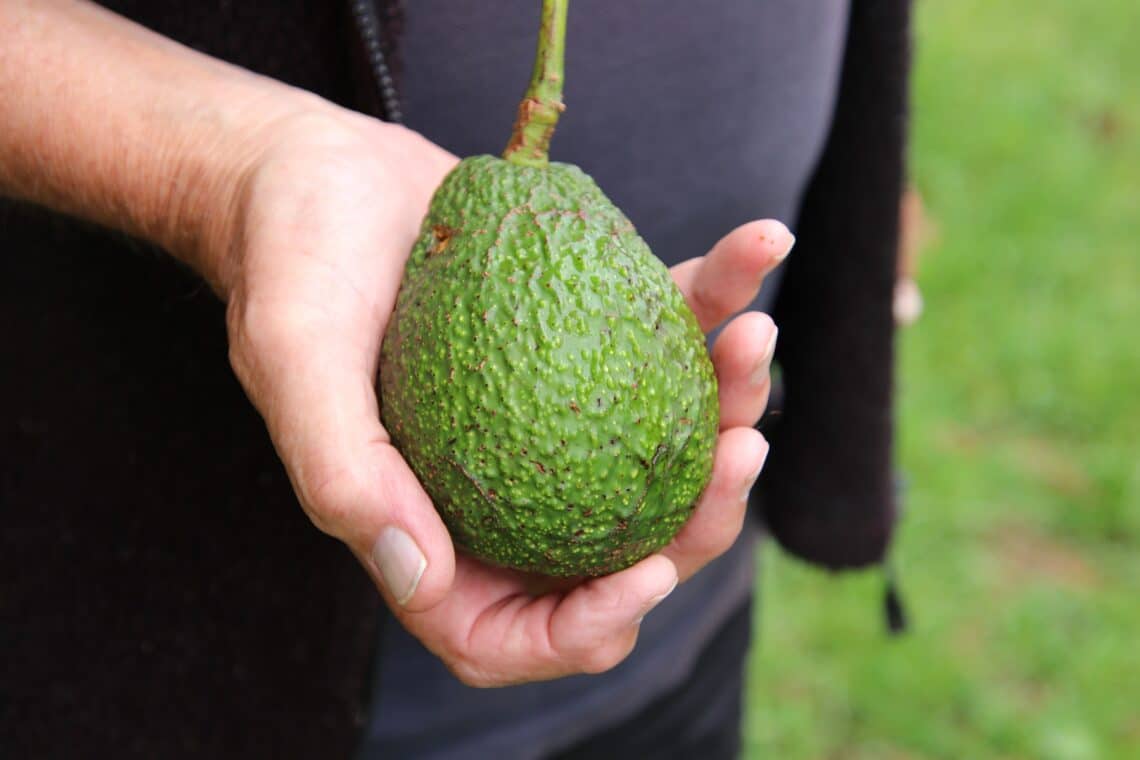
(135, 462)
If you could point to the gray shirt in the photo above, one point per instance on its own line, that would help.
(694, 118)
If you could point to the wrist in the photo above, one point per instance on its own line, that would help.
(108, 121)
(208, 167)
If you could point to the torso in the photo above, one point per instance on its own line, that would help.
(693, 119)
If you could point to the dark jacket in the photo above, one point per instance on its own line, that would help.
(157, 598)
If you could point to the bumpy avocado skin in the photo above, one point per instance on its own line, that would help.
(543, 376)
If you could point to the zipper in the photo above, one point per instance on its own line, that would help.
(369, 28)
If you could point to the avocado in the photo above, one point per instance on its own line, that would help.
(541, 373)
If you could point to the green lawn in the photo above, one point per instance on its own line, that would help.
(1019, 422)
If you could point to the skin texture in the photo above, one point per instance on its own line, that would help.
(301, 216)
(543, 375)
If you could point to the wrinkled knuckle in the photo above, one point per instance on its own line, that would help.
(331, 497)
(708, 544)
(693, 548)
(704, 302)
(452, 645)
(612, 601)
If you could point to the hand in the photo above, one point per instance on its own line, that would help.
(301, 215)
(328, 215)
(491, 630)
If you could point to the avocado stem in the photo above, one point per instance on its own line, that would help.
(542, 104)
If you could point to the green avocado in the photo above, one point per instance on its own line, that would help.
(542, 374)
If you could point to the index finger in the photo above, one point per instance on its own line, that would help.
(727, 279)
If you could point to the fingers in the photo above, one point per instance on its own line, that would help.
(595, 626)
(727, 279)
(742, 357)
(490, 632)
(314, 389)
(719, 517)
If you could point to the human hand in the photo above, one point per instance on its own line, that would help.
(301, 216)
(492, 629)
(328, 215)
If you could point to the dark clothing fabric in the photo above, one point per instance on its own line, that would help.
(701, 718)
(697, 717)
(529, 721)
(827, 491)
(160, 593)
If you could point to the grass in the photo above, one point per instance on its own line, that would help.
(1019, 414)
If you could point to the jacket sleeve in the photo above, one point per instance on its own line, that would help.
(827, 493)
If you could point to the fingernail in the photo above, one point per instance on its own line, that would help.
(791, 244)
(764, 363)
(749, 482)
(653, 603)
(400, 561)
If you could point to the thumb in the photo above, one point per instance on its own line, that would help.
(317, 396)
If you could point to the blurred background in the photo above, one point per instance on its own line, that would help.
(1019, 413)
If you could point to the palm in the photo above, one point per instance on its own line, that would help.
(329, 224)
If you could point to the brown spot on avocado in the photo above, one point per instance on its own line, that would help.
(443, 235)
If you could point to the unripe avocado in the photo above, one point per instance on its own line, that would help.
(542, 374)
